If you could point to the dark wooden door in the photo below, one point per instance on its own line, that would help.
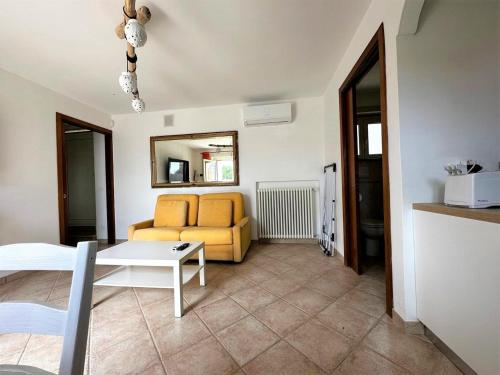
(353, 242)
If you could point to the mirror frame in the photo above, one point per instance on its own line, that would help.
(152, 140)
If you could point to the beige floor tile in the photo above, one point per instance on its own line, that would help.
(12, 346)
(221, 314)
(275, 266)
(179, 335)
(43, 352)
(231, 284)
(60, 292)
(372, 286)
(253, 298)
(323, 346)
(156, 369)
(278, 253)
(117, 359)
(298, 261)
(332, 289)
(283, 359)
(281, 317)
(147, 296)
(308, 300)
(106, 332)
(375, 272)
(112, 303)
(364, 302)
(200, 297)
(342, 275)
(246, 339)
(349, 322)
(30, 289)
(301, 276)
(205, 358)
(256, 274)
(121, 340)
(162, 312)
(364, 361)
(409, 352)
(280, 286)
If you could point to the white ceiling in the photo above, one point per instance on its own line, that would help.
(199, 52)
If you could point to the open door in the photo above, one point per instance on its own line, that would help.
(350, 187)
(73, 131)
(365, 162)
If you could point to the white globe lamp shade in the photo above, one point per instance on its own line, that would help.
(128, 82)
(138, 105)
(135, 33)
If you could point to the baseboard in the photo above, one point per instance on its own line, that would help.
(337, 254)
(418, 328)
(449, 353)
(413, 327)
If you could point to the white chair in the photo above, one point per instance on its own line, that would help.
(44, 319)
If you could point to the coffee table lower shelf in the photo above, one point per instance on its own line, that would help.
(147, 277)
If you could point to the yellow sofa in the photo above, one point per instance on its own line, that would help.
(217, 219)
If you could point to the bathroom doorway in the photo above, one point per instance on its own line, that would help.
(365, 167)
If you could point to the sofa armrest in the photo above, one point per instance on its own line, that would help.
(241, 239)
(142, 225)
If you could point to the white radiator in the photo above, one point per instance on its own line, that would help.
(286, 213)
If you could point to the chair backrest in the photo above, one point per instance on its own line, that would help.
(192, 201)
(236, 198)
(41, 318)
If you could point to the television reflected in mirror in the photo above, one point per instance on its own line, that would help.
(202, 159)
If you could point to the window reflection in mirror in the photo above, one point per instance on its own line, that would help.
(194, 159)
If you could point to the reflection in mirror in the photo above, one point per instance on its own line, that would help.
(194, 159)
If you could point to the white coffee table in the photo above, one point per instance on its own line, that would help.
(152, 264)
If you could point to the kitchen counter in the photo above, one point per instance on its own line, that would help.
(457, 266)
(491, 215)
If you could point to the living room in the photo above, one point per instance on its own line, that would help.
(353, 294)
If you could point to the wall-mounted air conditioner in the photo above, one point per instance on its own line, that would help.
(267, 114)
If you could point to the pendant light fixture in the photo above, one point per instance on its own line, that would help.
(133, 31)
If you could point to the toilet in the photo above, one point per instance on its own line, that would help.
(373, 229)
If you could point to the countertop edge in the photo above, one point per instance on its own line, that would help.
(490, 215)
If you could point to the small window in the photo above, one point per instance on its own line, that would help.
(369, 136)
(357, 139)
(374, 139)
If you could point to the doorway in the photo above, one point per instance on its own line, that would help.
(365, 167)
(85, 182)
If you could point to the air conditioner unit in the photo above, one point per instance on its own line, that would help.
(267, 114)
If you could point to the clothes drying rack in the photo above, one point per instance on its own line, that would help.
(328, 228)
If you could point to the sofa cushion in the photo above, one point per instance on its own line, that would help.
(170, 213)
(192, 201)
(215, 213)
(236, 198)
(210, 235)
(157, 234)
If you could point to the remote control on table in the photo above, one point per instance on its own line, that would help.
(181, 246)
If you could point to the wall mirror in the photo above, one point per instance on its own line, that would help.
(202, 159)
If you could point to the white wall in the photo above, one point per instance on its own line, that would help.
(267, 153)
(387, 12)
(28, 164)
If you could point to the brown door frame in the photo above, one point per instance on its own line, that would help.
(375, 51)
(62, 179)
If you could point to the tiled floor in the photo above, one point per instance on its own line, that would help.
(286, 310)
